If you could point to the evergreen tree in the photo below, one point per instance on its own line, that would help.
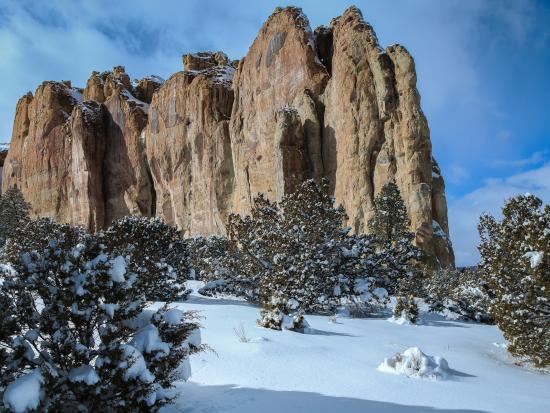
(406, 308)
(14, 212)
(295, 256)
(76, 322)
(515, 255)
(206, 255)
(462, 292)
(155, 251)
(390, 224)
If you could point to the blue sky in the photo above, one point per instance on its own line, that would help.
(483, 72)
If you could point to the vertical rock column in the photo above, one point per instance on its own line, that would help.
(188, 145)
(290, 152)
(280, 65)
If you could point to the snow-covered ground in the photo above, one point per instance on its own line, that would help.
(334, 368)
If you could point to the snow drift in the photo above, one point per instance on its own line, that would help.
(414, 363)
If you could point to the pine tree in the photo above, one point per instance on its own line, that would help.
(76, 320)
(396, 253)
(515, 261)
(14, 212)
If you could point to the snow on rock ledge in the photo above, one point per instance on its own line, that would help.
(414, 363)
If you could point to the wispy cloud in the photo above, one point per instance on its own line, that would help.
(535, 159)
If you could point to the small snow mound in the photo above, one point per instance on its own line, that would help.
(400, 320)
(24, 393)
(258, 339)
(414, 363)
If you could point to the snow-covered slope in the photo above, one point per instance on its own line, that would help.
(334, 368)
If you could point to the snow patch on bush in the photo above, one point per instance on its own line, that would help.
(535, 257)
(173, 316)
(414, 363)
(148, 340)
(118, 269)
(24, 393)
(85, 374)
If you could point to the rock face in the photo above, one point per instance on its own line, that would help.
(280, 65)
(302, 104)
(81, 161)
(188, 146)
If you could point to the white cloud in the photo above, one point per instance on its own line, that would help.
(464, 212)
(535, 159)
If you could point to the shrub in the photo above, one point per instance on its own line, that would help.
(14, 212)
(76, 324)
(515, 255)
(295, 256)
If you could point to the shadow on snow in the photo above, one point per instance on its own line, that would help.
(196, 398)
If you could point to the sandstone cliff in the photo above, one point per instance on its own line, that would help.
(188, 145)
(301, 104)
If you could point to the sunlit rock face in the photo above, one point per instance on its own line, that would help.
(302, 104)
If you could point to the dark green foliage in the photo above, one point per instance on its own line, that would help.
(396, 254)
(74, 301)
(406, 308)
(462, 292)
(390, 222)
(14, 212)
(206, 256)
(151, 247)
(515, 254)
(294, 256)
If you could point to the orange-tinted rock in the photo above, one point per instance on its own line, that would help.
(290, 152)
(189, 149)
(280, 65)
(375, 131)
(206, 141)
(55, 155)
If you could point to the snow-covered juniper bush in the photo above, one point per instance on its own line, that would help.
(406, 308)
(515, 259)
(295, 256)
(461, 292)
(75, 324)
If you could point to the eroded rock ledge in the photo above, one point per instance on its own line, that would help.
(301, 104)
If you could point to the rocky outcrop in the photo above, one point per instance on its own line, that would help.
(280, 65)
(188, 145)
(290, 152)
(52, 154)
(81, 161)
(329, 103)
(380, 133)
